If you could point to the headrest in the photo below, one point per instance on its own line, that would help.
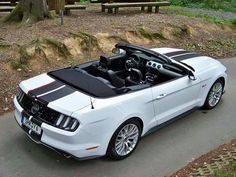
(104, 61)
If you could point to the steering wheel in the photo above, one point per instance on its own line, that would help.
(132, 62)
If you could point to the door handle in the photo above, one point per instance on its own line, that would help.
(161, 96)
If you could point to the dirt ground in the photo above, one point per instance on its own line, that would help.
(63, 45)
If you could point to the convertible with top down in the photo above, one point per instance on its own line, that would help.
(105, 106)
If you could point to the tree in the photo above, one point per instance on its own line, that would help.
(28, 11)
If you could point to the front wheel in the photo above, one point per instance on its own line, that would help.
(214, 95)
(124, 140)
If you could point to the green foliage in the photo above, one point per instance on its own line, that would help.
(217, 45)
(232, 167)
(3, 43)
(190, 46)
(150, 35)
(23, 61)
(61, 48)
(179, 11)
(84, 1)
(233, 21)
(228, 171)
(226, 5)
(89, 39)
(52, 14)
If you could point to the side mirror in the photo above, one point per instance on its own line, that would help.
(116, 51)
(191, 76)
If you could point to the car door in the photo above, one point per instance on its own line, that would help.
(175, 97)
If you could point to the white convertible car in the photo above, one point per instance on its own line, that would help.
(103, 107)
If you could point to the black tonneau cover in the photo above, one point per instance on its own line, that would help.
(84, 82)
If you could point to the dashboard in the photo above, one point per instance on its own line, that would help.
(150, 65)
(154, 65)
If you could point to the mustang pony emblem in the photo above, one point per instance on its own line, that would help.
(35, 108)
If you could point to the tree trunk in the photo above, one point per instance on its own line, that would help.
(28, 11)
(56, 5)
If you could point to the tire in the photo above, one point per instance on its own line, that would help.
(214, 95)
(121, 139)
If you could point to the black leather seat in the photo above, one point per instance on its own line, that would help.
(105, 72)
(103, 66)
(115, 80)
(105, 62)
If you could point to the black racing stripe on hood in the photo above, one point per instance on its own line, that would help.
(45, 88)
(57, 94)
(187, 56)
(171, 54)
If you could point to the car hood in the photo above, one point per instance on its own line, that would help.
(202, 63)
(197, 61)
(55, 94)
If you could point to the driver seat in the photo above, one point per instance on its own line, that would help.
(104, 63)
(135, 77)
(115, 80)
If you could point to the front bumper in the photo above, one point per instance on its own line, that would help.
(78, 144)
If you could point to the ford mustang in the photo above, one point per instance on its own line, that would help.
(105, 106)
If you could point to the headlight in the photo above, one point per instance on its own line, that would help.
(67, 123)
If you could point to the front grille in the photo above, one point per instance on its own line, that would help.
(42, 112)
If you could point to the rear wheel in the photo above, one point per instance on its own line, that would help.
(214, 95)
(124, 140)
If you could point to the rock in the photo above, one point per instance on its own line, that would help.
(5, 109)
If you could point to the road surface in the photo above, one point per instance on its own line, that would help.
(157, 155)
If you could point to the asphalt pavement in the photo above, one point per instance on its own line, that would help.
(157, 155)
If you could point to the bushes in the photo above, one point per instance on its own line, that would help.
(184, 2)
(219, 4)
(227, 5)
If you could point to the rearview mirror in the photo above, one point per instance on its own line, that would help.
(191, 76)
(116, 51)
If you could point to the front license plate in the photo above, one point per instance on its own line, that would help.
(32, 126)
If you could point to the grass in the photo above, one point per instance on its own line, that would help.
(217, 45)
(3, 43)
(179, 11)
(84, 1)
(225, 5)
(233, 21)
(190, 46)
(228, 171)
(149, 35)
(61, 48)
(89, 39)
